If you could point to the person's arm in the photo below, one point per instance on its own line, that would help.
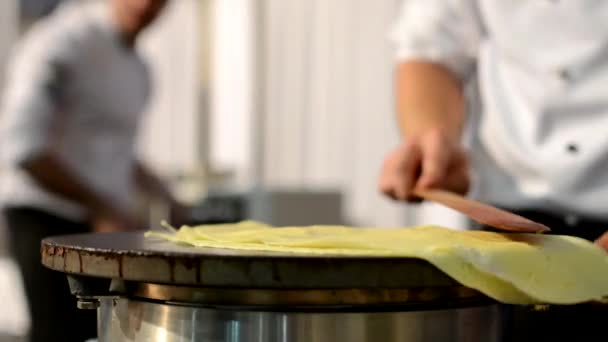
(150, 183)
(32, 119)
(430, 111)
(436, 43)
(429, 98)
(54, 176)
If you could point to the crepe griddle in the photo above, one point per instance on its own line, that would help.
(132, 257)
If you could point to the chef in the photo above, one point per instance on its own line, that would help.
(75, 94)
(539, 145)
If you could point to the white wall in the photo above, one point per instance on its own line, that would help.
(322, 102)
(328, 109)
(329, 104)
(170, 134)
(232, 83)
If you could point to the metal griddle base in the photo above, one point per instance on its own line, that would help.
(131, 257)
(152, 290)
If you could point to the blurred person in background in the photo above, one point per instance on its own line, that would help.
(75, 94)
(539, 147)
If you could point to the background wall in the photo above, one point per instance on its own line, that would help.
(170, 136)
(328, 115)
(320, 112)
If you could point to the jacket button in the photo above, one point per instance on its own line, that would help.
(572, 148)
(565, 75)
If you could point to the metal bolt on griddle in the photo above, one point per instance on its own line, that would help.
(87, 303)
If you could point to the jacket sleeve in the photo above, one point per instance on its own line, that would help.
(32, 99)
(447, 32)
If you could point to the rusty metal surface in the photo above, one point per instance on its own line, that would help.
(414, 298)
(131, 257)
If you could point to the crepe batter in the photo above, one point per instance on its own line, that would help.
(511, 268)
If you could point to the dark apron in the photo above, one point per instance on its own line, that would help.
(52, 308)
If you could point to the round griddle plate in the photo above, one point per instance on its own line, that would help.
(131, 257)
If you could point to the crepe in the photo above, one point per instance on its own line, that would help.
(511, 268)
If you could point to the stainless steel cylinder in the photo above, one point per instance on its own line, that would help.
(127, 320)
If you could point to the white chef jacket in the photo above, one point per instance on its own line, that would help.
(540, 140)
(75, 88)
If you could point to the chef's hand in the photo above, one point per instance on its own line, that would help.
(603, 241)
(431, 160)
(114, 220)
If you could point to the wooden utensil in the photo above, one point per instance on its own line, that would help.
(483, 213)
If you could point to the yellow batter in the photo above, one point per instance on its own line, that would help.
(512, 268)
